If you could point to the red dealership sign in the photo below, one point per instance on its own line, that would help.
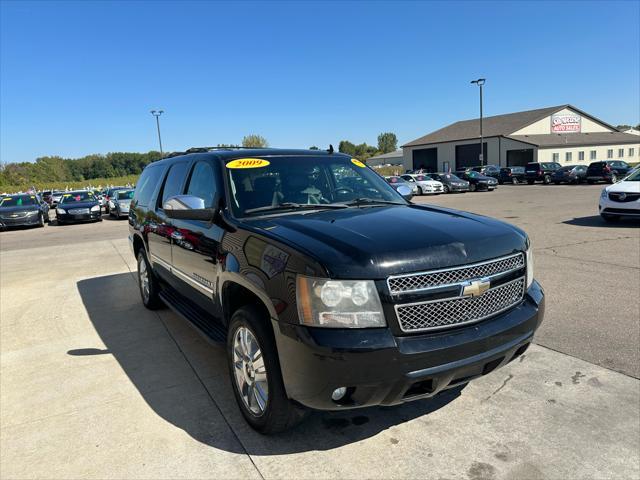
(565, 123)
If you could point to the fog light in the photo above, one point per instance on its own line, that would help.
(338, 394)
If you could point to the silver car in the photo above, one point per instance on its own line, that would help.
(121, 201)
(426, 185)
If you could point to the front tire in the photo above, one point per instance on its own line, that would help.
(420, 192)
(41, 221)
(148, 283)
(255, 374)
(472, 187)
(546, 180)
(445, 188)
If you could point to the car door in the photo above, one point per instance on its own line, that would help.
(195, 248)
(161, 229)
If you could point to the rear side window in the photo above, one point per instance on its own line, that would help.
(533, 166)
(147, 184)
(174, 182)
(202, 183)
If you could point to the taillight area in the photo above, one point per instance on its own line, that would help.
(539, 172)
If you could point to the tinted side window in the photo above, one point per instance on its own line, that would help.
(147, 184)
(175, 180)
(202, 183)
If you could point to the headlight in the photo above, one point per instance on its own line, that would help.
(95, 208)
(529, 265)
(338, 303)
(603, 194)
(61, 211)
(33, 212)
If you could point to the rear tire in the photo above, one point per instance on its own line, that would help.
(514, 180)
(546, 180)
(614, 178)
(472, 187)
(267, 410)
(41, 220)
(148, 283)
(445, 188)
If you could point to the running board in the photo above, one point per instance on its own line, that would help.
(203, 321)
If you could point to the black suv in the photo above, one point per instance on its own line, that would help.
(540, 172)
(488, 170)
(297, 261)
(513, 175)
(609, 171)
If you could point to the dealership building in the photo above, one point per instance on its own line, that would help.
(561, 134)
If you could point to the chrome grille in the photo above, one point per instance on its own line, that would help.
(627, 197)
(78, 211)
(451, 312)
(451, 276)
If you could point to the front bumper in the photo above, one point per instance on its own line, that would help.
(379, 368)
(623, 209)
(458, 188)
(20, 221)
(85, 217)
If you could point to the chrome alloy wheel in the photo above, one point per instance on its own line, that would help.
(143, 278)
(250, 371)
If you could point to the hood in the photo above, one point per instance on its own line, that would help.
(375, 242)
(70, 205)
(629, 186)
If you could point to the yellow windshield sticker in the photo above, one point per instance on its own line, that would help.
(358, 163)
(248, 163)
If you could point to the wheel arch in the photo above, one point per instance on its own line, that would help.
(236, 293)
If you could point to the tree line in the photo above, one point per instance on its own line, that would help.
(52, 169)
(58, 169)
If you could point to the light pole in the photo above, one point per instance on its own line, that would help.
(157, 113)
(480, 83)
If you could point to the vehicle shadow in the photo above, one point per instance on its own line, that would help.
(151, 349)
(598, 221)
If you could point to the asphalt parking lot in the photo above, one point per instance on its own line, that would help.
(92, 385)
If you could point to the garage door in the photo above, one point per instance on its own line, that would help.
(426, 159)
(469, 155)
(519, 158)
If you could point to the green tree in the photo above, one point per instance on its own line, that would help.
(254, 141)
(313, 147)
(387, 142)
(347, 147)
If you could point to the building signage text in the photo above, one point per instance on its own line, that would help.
(565, 123)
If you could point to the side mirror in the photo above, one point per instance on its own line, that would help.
(405, 192)
(188, 207)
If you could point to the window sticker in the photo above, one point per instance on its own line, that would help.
(358, 163)
(248, 163)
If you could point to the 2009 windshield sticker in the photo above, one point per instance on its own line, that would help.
(358, 163)
(248, 163)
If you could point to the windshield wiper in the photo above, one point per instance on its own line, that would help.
(295, 206)
(370, 201)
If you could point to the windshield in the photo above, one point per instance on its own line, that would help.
(77, 197)
(18, 201)
(619, 164)
(474, 174)
(634, 177)
(303, 181)
(396, 180)
(125, 195)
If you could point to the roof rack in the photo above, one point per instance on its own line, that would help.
(208, 149)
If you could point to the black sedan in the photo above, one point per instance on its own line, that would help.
(570, 174)
(450, 183)
(477, 181)
(23, 210)
(81, 206)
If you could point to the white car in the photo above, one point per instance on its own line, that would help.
(621, 199)
(426, 185)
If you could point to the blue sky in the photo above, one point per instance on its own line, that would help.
(80, 77)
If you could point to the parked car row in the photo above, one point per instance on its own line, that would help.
(26, 209)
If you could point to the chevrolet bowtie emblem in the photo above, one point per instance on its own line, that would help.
(475, 288)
